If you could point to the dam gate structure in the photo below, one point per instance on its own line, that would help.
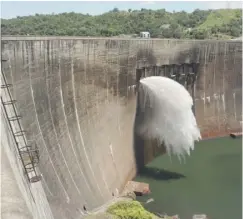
(184, 73)
(77, 104)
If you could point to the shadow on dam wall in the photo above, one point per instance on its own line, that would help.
(77, 105)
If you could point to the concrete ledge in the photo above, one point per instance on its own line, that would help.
(138, 188)
(236, 134)
(104, 38)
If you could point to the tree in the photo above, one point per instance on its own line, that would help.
(200, 34)
(115, 10)
(177, 33)
(214, 30)
(159, 23)
(235, 32)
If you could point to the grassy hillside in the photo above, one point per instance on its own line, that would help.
(220, 17)
(223, 23)
(160, 23)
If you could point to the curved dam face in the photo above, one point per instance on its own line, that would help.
(78, 105)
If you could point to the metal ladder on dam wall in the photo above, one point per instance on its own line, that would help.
(28, 154)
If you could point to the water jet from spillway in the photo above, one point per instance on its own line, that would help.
(166, 107)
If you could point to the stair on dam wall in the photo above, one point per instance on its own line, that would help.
(28, 154)
(25, 186)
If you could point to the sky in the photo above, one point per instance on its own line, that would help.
(11, 9)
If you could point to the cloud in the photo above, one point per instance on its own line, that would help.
(223, 5)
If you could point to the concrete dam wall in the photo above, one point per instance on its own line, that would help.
(78, 105)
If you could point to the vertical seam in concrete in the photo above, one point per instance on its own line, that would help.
(10, 67)
(42, 205)
(225, 49)
(81, 136)
(98, 114)
(223, 95)
(218, 99)
(234, 84)
(204, 81)
(43, 178)
(224, 107)
(59, 146)
(38, 124)
(103, 177)
(116, 116)
(114, 162)
(234, 106)
(107, 101)
(75, 108)
(214, 66)
(117, 88)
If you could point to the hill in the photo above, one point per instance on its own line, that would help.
(199, 24)
(227, 22)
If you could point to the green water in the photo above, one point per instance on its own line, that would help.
(209, 182)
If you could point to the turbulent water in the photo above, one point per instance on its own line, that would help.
(167, 115)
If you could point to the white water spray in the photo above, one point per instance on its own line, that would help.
(166, 107)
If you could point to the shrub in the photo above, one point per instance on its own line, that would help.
(129, 210)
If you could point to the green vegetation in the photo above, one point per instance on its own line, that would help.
(126, 209)
(223, 23)
(129, 210)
